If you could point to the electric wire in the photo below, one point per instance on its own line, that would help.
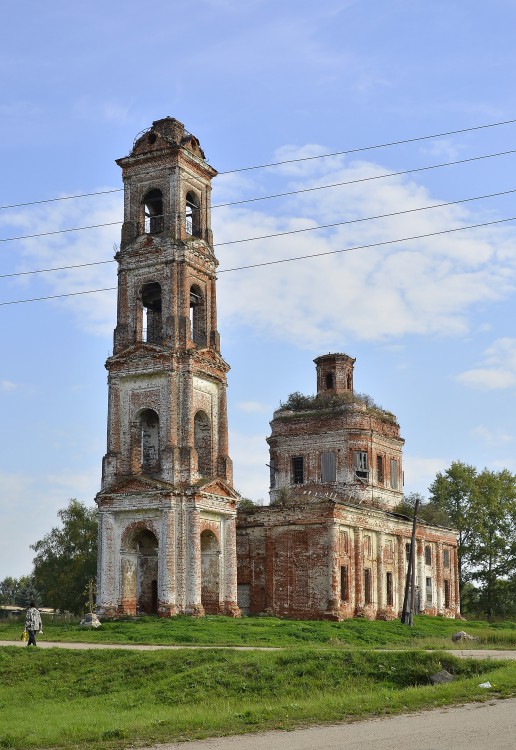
(277, 195)
(292, 231)
(289, 161)
(290, 260)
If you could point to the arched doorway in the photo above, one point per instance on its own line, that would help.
(140, 573)
(210, 572)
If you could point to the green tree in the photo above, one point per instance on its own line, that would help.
(66, 558)
(493, 540)
(9, 589)
(452, 492)
(428, 511)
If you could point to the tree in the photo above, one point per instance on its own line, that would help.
(428, 511)
(452, 492)
(66, 558)
(9, 589)
(493, 541)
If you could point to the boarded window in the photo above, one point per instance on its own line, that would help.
(390, 590)
(360, 464)
(394, 474)
(367, 586)
(446, 558)
(446, 593)
(298, 470)
(328, 467)
(428, 589)
(379, 469)
(428, 555)
(344, 586)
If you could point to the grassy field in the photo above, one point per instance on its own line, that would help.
(60, 698)
(52, 698)
(427, 632)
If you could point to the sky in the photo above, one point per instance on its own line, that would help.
(425, 305)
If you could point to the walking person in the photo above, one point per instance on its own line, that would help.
(33, 623)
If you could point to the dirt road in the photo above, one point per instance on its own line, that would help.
(475, 726)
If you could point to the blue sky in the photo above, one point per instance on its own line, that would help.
(430, 321)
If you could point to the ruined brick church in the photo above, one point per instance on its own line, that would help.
(329, 545)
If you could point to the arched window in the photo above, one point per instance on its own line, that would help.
(197, 316)
(210, 572)
(139, 560)
(202, 443)
(149, 440)
(152, 329)
(153, 204)
(330, 380)
(192, 215)
(349, 382)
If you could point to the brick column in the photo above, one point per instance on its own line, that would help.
(380, 572)
(108, 573)
(439, 578)
(166, 565)
(359, 571)
(401, 571)
(230, 568)
(333, 571)
(193, 563)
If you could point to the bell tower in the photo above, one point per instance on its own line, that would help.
(167, 506)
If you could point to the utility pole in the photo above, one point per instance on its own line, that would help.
(407, 614)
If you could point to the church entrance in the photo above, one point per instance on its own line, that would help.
(140, 574)
(210, 572)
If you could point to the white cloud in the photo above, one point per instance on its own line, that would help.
(420, 472)
(496, 370)
(7, 385)
(426, 286)
(250, 456)
(251, 406)
(492, 437)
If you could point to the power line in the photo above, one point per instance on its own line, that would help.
(371, 148)
(277, 195)
(290, 260)
(286, 161)
(292, 231)
(367, 179)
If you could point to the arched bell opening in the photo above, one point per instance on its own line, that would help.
(139, 573)
(151, 317)
(192, 215)
(197, 316)
(210, 572)
(203, 444)
(153, 212)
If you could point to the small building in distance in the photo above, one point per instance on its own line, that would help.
(330, 544)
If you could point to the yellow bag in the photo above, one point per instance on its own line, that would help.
(23, 636)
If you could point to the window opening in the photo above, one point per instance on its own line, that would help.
(330, 380)
(202, 443)
(428, 555)
(446, 593)
(389, 550)
(197, 316)
(344, 593)
(349, 382)
(429, 591)
(367, 586)
(446, 558)
(360, 464)
(367, 546)
(298, 470)
(152, 323)
(408, 547)
(149, 440)
(328, 467)
(379, 469)
(192, 215)
(394, 474)
(153, 209)
(390, 590)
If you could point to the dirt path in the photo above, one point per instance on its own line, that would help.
(464, 653)
(475, 726)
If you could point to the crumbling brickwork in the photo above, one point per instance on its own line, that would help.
(167, 506)
(330, 545)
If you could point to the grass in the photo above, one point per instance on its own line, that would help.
(62, 698)
(427, 632)
(324, 672)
